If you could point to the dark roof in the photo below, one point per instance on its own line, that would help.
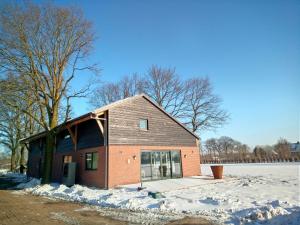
(102, 109)
(295, 147)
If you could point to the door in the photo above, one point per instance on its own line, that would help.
(157, 165)
(176, 164)
(146, 173)
(165, 166)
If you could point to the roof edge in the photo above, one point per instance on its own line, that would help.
(33, 137)
(93, 114)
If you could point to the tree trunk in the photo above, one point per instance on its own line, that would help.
(48, 157)
(22, 159)
(22, 156)
(50, 145)
(13, 160)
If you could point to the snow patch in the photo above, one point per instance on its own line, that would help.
(33, 182)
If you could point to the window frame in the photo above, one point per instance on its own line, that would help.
(147, 124)
(92, 158)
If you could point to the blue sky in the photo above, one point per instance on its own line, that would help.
(249, 49)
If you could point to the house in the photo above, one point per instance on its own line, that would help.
(128, 141)
(295, 149)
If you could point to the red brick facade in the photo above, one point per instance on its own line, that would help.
(118, 125)
(123, 164)
(94, 178)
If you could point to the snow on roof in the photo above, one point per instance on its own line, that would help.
(116, 103)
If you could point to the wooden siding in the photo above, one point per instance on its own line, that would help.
(89, 135)
(162, 130)
(63, 144)
(37, 147)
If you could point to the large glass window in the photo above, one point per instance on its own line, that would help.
(176, 164)
(91, 161)
(165, 166)
(160, 165)
(146, 166)
(155, 163)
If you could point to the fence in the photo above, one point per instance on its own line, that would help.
(250, 160)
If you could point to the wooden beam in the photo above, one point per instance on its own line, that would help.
(75, 145)
(100, 114)
(72, 135)
(100, 126)
(26, 145)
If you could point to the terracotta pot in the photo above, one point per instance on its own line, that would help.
(217, 171)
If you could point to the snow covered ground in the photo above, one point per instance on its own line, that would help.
(248, 194)
(16, 177)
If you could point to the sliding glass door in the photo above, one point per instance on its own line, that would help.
(157, 165)
(176, 164)
(165, 166)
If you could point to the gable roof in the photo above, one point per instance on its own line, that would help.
(93, 114)
(125, 100)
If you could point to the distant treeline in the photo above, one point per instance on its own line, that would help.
(228, 150)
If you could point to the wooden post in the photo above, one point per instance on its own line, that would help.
(75, 144)
(73, 136)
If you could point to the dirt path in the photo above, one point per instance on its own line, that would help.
(27, 209)
(18, 208)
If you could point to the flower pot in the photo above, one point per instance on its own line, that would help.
(217, 171)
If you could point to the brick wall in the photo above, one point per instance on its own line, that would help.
(94, 178)
(124, 162)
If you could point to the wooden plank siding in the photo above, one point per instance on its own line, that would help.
(89, 135)
(162, 130)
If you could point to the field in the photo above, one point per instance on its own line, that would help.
(248, 194)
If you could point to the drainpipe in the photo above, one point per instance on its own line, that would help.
(105, 137)
(106, 148)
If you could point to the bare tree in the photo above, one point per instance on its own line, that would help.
(43, 45)
(110, 92)
(226, 148)
(259, 152)
(192, 102)
(165, 87)
(202, 107)
(10, 134)
(227, 145)
(213, 147)
(14, 124)
(283, 148)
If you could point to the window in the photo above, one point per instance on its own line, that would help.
(67, 159)
(91, 161)
(67, 136)
(143, 124)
